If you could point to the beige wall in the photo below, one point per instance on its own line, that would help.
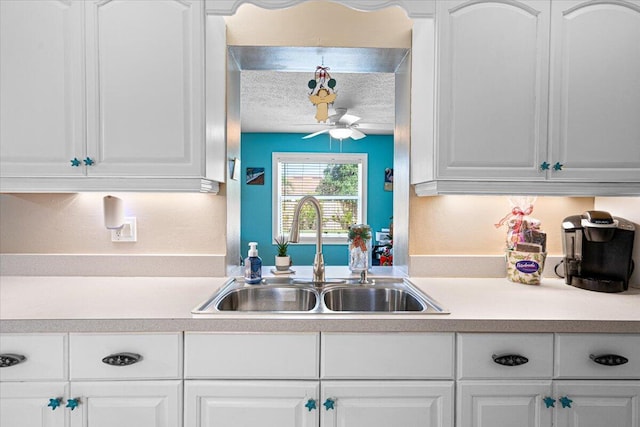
(74, 224)
(464, 225)
(319, 24)
(194, 223)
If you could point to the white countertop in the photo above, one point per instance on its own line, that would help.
(119, 304)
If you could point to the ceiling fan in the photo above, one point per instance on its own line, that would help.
(342, 125)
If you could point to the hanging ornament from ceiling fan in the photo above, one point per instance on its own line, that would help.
(322, 92)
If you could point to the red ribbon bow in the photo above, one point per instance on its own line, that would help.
(515, 213)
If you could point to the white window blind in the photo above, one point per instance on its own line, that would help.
(336, 180)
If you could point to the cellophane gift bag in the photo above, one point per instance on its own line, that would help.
(525, 242)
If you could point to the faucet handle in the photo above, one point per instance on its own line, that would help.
(363, 277)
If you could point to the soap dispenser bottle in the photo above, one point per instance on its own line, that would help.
(253, 265)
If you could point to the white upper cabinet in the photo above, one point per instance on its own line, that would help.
(534, 97)
(104, 95)
(493, 89)
(145, 74)
(595, 90)
(41, 81)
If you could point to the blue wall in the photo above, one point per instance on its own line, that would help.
(256, 200)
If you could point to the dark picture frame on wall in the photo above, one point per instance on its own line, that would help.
(255, 176)
(388, 179)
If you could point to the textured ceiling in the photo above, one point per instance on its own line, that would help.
(274, 90)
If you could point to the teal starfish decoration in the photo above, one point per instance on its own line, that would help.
(53, 404)
(557, 166)
(310, 405)
(72, 404)
(88, 161)
(75, 162)
(544, 166)
(566, 402)
(549, 402)
(329, 404)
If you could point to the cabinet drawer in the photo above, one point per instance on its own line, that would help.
(45, 357)
(251, 355)
(387, 355)
(505, 356)
(160, 356)
(575, 354)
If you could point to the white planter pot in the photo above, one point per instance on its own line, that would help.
(283, 263)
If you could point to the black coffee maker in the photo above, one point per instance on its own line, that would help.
(598, 251)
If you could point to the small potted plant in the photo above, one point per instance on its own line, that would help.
(283, 261)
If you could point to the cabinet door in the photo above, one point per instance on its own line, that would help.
(493, 99)
(26, 404)
(597, 403)
(127, 404)
(251, 403)
(387, 404)
(145, 87)
(595, 90)
(503, 404)
(41, 81)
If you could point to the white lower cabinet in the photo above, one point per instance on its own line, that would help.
(28, 404)
(33, 380)
(597, 380)
(517, 387)
(503, 403)
(127, 403)
(251, 403)
(387, 403)
(597, 403)
(320, 380)
(356, 380)
(125, 380)
(546, 403)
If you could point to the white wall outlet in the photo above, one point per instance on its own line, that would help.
(128, 232)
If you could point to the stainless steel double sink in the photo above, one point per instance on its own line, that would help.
(296, 296)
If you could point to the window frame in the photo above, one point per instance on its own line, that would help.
(315, 158)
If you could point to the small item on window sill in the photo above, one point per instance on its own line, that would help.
(282, 272)
(253, 265)
(359, 247)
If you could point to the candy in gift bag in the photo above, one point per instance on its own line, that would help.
(521, 227)
(525, 243)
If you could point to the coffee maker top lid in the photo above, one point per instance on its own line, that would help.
(598, 219)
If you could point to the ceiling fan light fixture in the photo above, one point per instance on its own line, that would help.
(340, 133)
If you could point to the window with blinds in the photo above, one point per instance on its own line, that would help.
(336, 180)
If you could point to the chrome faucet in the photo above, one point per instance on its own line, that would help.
(364, 278)
(294, 237)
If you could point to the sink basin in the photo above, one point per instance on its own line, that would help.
(371, 299)
(268, 298)
(285, 295)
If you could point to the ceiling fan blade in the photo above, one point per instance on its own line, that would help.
(356, 134)
(337, 114)
(311, 135)
(348, 119)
